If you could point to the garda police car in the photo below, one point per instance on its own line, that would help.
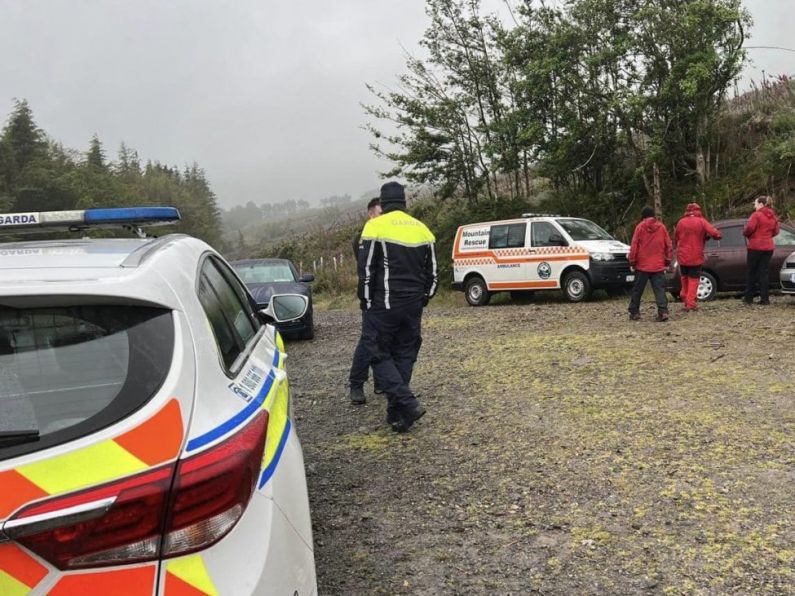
(538, 252)
(146, 438)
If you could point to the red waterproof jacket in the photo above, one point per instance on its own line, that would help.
(650, 250)
(690, 235)
(760, 229)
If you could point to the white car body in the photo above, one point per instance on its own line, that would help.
(787, 275)
(527, 258)
(200, 410)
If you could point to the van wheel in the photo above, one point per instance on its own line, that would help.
(477, 294)
(576, 287)
(707, 287)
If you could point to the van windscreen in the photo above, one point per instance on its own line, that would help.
(583, 229)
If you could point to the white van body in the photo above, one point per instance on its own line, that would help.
(538, 252)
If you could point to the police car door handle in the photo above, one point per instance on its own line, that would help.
(18, 528)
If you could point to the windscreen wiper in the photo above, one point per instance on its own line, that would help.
(17, 437)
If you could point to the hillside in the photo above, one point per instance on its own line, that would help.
(755, 150)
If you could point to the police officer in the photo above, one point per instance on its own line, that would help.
(397, 276)
(361, 363)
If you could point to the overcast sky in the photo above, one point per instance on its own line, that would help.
(263, 95)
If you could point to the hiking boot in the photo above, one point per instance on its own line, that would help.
(401, 423)
(634, 316)
(764, 303)
(661, 317)
(357, 396)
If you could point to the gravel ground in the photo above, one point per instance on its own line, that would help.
(566, 450)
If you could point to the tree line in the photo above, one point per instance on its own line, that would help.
(40, 174)
(614, 102)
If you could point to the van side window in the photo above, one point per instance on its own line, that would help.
(507, 235)
(545, 234)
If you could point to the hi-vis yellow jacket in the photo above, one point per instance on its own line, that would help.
(396, 262)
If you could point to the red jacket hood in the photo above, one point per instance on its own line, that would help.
(651, 224)
(768, 213)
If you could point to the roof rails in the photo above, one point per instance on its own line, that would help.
(540, 215)
(131, 218)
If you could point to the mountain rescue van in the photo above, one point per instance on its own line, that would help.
(538, 252)
(146, 436)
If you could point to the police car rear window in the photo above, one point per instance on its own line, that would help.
(68, 371)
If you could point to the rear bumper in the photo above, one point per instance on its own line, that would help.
(606, 274)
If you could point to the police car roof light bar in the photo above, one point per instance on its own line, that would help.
(130, 217)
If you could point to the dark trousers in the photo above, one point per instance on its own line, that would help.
(657, 281)
(360, 366)
(392, 339)
(758, 275)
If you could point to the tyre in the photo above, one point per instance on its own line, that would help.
(707, 287)
(576, 287)
(476, 292)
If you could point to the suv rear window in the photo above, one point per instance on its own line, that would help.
(68, 371)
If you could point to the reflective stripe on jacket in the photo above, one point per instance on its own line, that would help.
(396, 261)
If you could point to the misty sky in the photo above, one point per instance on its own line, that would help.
(264, 95)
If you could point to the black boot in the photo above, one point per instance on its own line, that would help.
(357, 396)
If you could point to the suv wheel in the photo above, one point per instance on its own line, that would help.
(576, 287)
(477, 294)
(707, 287)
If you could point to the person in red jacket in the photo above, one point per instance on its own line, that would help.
(649, 254)
(690, 234)
(760, 229)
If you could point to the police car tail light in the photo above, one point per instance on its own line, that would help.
(212, 490)
(165, 511)
(120, 522)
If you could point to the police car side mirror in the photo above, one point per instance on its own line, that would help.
(556, 239)
(285, 307)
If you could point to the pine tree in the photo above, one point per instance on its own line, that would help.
(96, 154)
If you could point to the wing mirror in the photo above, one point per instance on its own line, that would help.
(307, 277)
(556, 239)
(285, 307)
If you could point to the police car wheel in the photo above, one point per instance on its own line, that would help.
(576, 287)
(477, 294)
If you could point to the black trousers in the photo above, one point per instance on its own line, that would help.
(757, 275)
(360, 366)
(392, 339)
(657, 281)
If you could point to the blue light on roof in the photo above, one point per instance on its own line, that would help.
(131, 215)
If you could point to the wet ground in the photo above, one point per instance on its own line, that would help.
(566, 450)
